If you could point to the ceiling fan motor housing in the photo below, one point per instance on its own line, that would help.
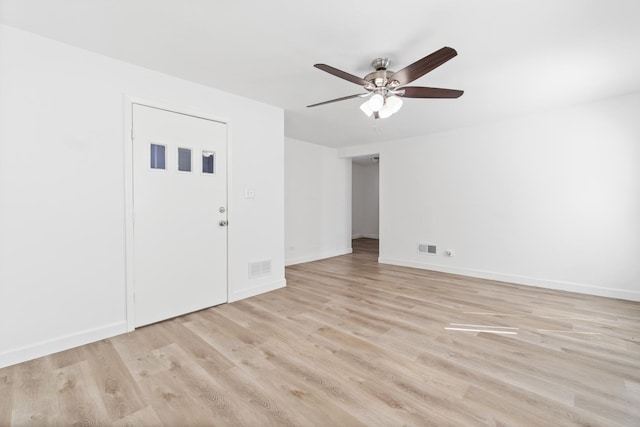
(380, 63)
(381, 76)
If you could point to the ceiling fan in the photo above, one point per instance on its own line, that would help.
(385, 88)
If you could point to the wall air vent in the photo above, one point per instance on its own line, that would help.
(427, 248)
(259, 268)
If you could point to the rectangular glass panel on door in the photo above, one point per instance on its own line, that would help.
(184, 159)
(157, 156)
(208, 161)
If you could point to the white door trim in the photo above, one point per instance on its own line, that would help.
(128, 188)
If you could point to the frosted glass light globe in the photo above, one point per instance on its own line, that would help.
(366, 109)
(385, 111)
(394, 103)
(376, 102)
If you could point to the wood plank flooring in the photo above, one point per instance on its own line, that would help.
(350, 343)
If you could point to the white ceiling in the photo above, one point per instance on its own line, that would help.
(514, 56)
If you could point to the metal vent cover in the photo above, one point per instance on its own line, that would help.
(427, 248)
(259, 268)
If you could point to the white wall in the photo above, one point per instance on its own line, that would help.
(550, 200)
(317, 202)
(62, 195)
(365, 196)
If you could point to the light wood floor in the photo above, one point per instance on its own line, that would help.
(350, 342)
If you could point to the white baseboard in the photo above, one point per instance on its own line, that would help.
(257, 290)
(520, 280)
(316, 257)
(54, 345)
(366, 236)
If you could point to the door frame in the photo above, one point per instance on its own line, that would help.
(371, 151)
(128, 102)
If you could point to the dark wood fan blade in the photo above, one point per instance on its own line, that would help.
(430, 92)
(342, 74)
(337, 99)
(424, 65)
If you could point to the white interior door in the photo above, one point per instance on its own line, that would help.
(179, 201)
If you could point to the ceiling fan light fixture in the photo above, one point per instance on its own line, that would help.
(385, 111)
(366, 109)
(394, 103)
(391, 106)
(385, 87)
(376, 102)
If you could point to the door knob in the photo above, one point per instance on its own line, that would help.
(223, 223)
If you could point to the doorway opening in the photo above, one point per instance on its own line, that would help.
(365, 205)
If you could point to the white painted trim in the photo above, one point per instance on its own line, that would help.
(560, 285)
(229, 203)
(128, 190)
(316, 257)
(257, 290)
(128, 210)
(65, 342)
(360, 150)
